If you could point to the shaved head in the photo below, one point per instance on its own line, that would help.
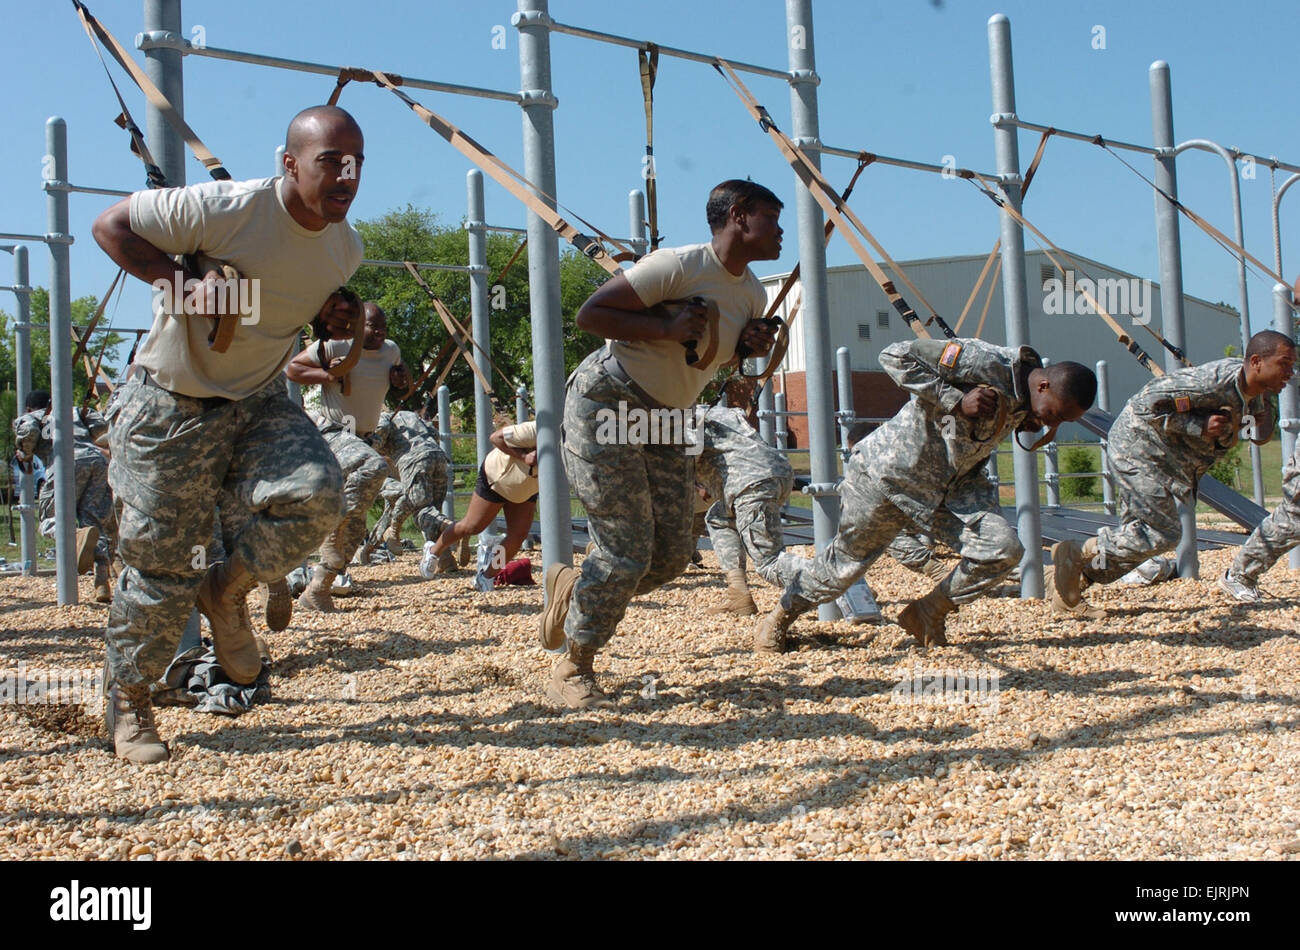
(315, 123)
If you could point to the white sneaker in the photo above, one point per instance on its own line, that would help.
(858, 604)
(1151, 571)
(1239, 589)
(428, 561)
(482, 583)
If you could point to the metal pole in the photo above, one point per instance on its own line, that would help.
(65, 495)
(823, 460)
(1169, 242)
(636, 222)
(538, 106)
(766, 428)
(1103, 403)
(444, 435)
(844, 383)
(295, 391)
(1256, 465)
(1051, 468)
(521, 404)
(783, 427)
(1015, 295)
(478, 307)
(279, 162)
(1288, 403)
(164, 67)
(23, 348)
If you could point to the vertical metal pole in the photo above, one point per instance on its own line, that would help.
(480, 326)
(23, 348)
(444, 435)
(1103, 403)
(1256, 461)
(1169, 242)
(533, 22)
(844, 383)
(279, 162)
(636, 221)
(521, 404)
(782, 425)
(163, 66)
(822, 457)
(1288, 403)
(65, 495)
(766, 427)
(1015, 295)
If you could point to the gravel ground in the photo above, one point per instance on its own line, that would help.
(412, 725)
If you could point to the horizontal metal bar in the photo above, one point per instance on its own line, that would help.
(18, 290)
(1078, 136)
(616, 40)
(160, 39)
(42, 238)
(46, 326)
(84, 189)
(504, 230)
(900, 162)
(401, 265)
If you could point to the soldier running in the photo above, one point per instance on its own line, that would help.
(348, 423)
(196, 429)
(410, 444)
(638, 494)
(925, 470)
(1165, 439)
(751, 482)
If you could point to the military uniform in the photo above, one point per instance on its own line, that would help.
(364, 471)
(1277, 534)
(94, 500)
(913, 551)
(411, 447)
(1158, 452)
(195, 430)
(925, 470)
(751, 482)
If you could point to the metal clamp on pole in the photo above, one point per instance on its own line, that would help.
(822, 488)
(1289, 425)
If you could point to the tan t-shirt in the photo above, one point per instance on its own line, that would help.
(508, 476)
(244, 224)
(677, 273)
(369, 383)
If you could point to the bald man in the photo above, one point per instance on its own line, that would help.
(195, 430)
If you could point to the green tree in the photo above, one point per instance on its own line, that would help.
(83, 308)
(416, 234)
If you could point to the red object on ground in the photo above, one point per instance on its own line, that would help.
(518, 572)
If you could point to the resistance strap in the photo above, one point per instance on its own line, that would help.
(648, 61)
(837, 211)
(1048, 247)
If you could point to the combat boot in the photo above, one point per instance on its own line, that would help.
(573, 682)
(316, 597)
(1067, 573)
(447, 563)
(464, 553)
(103, 593)
(279, 605)
(936, 569)
(738, 601)
(87, 538)
(393, 540)
(923, 618)
(364, 553)
(128, 715)
(223, 599)
(557, 587)
(769, 635)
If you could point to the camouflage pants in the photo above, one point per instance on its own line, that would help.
(174, 461)
(911, 550)
(869, 521)
(1276, 535)
(364, 471)
(1148, 520)
(639, 501)
(753, 527)
(94, 500)
(420, 492)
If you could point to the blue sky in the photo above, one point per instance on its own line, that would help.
(904, 77)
